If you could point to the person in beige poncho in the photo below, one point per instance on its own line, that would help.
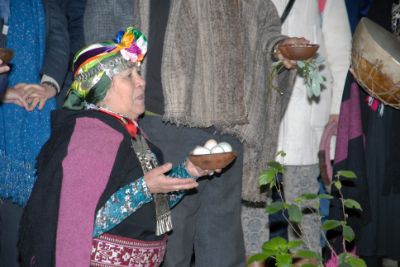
(212, 85)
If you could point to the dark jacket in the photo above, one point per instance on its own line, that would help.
(64, 35)
(38, 227)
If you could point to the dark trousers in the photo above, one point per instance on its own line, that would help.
(207, 221)
(10, 215)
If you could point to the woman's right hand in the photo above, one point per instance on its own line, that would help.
(157, 182)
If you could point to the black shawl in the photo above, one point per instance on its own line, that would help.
(38, 227)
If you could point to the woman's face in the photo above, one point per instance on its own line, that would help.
(126, 94)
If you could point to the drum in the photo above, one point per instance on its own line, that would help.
(376, 62)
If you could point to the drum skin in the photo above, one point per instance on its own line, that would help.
(376, 62)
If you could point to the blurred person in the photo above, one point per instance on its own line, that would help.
(356, 9)
(215, 89)
(324, 23)
(36, 73)
(73, 10)
(372, 152)
(210, 86)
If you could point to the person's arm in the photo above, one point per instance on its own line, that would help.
(179, 171)
(271, 35)
(131, 197)
(121, 205)
(75, 10)
(56, 56)
(337, 38)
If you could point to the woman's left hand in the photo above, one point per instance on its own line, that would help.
(197, 171)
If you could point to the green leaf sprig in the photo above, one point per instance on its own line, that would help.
(308, 69)
(289, 254)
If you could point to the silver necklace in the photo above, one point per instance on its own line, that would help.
(108, 109)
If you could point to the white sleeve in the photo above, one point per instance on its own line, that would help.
(337, 37)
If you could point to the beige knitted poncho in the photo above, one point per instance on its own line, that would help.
(215, 66)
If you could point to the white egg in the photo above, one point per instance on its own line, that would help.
(210, 144)
(199, 150)
(225, 146)
(217, 149)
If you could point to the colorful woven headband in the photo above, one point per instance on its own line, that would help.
(95, 65)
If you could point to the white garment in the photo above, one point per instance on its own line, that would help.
(304, 121)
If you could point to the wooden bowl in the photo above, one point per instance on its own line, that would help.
(213, 161)
(298, 52)
(6, 55)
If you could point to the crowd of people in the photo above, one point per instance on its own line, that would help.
(104, 101)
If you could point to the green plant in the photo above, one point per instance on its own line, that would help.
(286, 253)
(308, 69)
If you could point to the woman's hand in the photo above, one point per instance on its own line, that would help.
(289, 64)
(157, 182)
(36, 94)
(29, 96)
(15, 96)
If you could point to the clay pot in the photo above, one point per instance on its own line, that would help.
(213, 161)
(298, 52)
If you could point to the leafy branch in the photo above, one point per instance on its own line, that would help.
(308, 69)
(286, 253)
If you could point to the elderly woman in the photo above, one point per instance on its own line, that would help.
(100, 198)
